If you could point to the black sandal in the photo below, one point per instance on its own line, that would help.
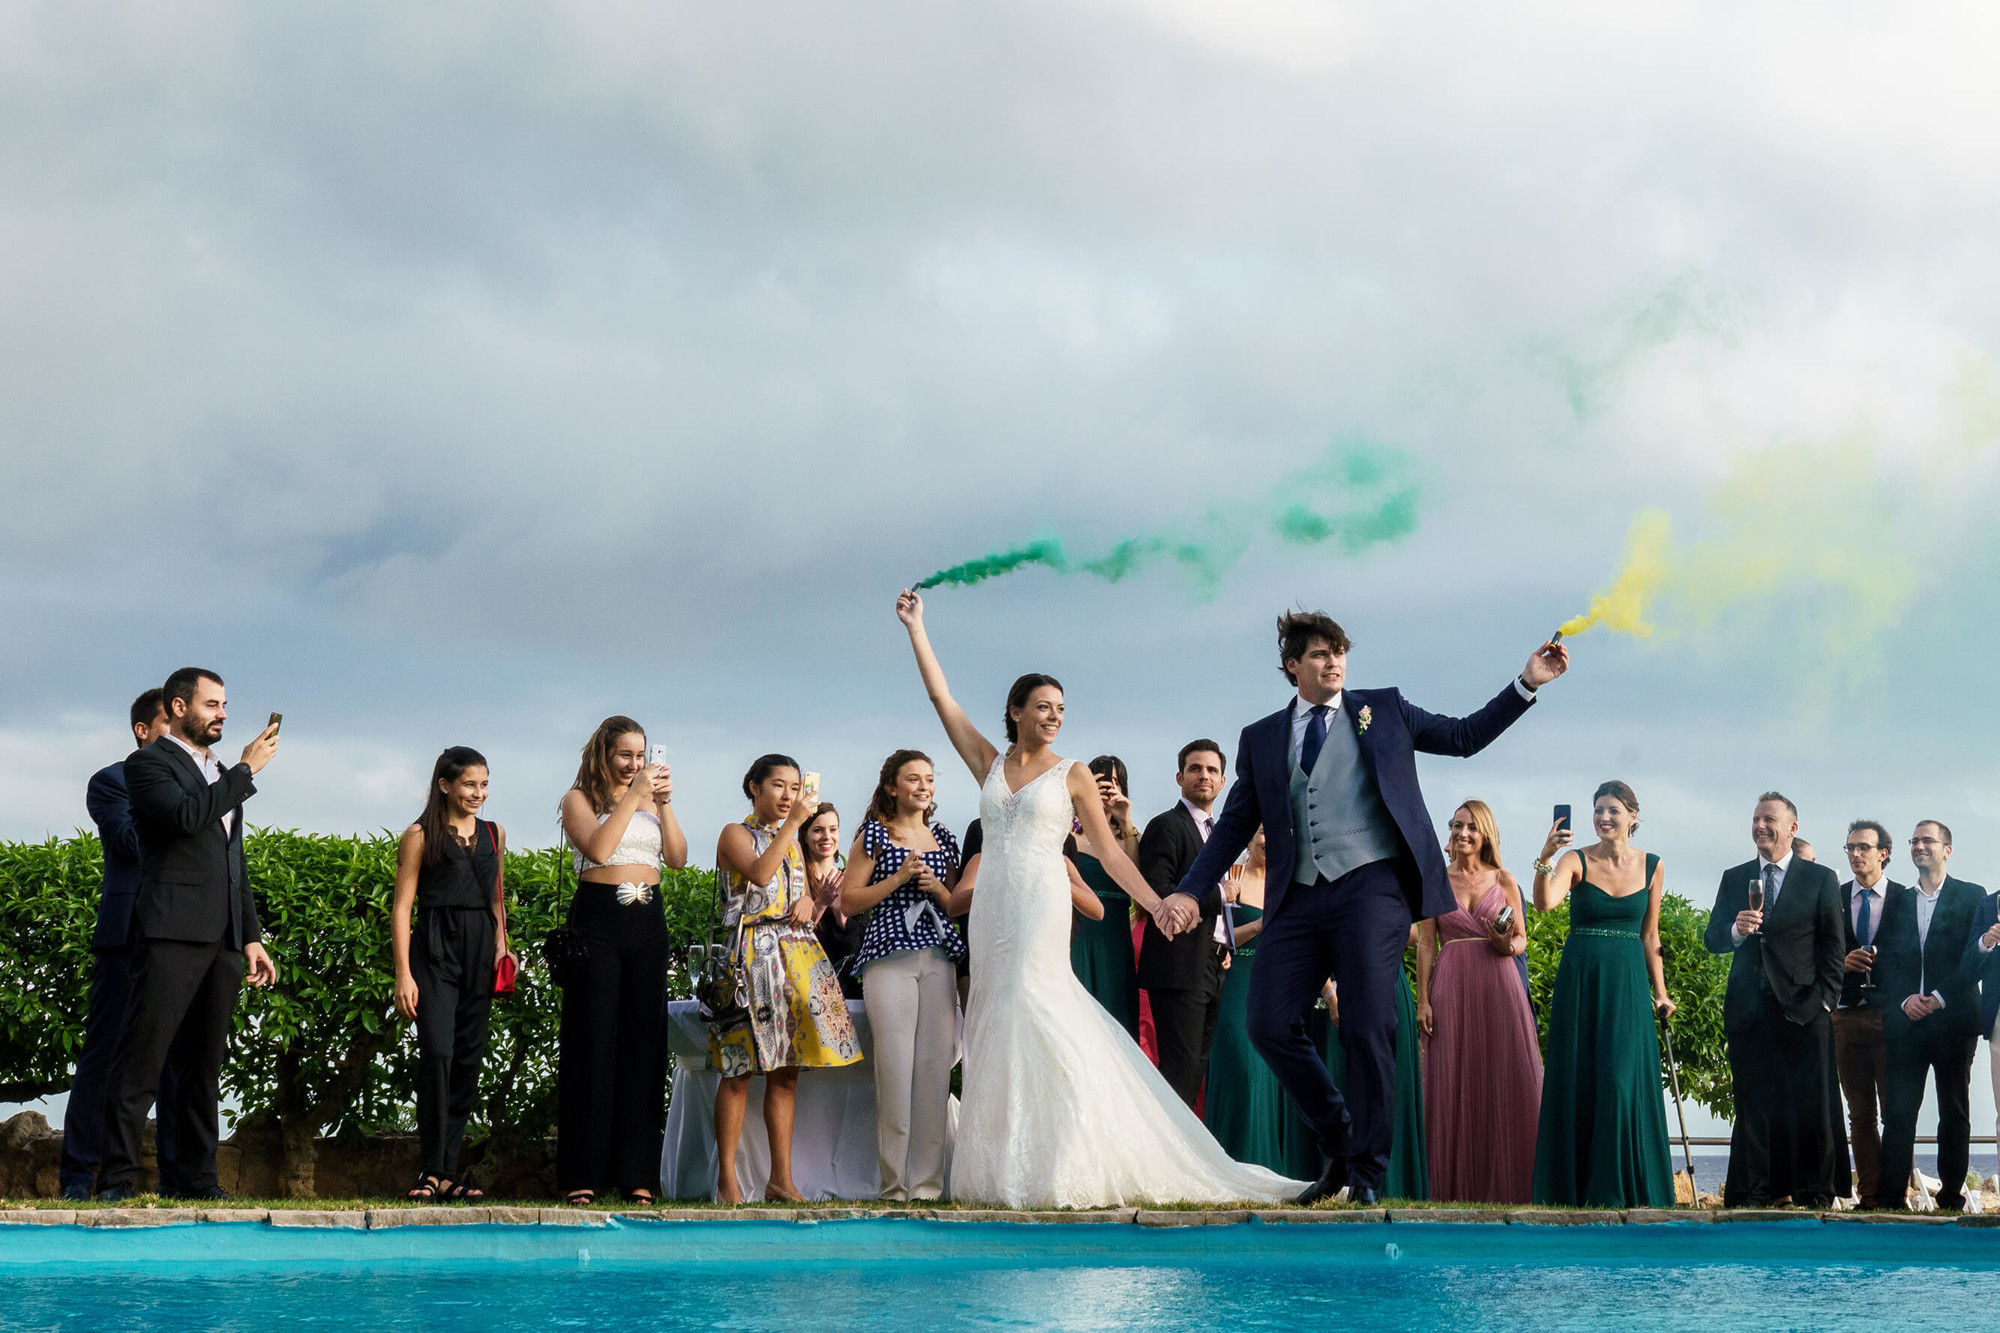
(451, 1191)
(582, 1198)
(426, 1190)
(643, 1198)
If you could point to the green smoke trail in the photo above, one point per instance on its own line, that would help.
(1355, 496)
(1048, 552)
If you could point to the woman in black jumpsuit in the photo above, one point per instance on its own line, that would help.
(450, 868)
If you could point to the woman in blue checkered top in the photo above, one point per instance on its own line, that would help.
(902, 870)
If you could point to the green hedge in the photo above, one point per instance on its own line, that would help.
(323, 1051)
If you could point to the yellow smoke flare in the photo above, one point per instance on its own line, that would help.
(1624, 606)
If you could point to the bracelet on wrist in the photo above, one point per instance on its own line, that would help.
(1544, 868)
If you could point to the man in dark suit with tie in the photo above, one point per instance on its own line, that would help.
(1784, 981)
(194, 929)
(1861, 1053)
(1182, 976)
(1930, 1016)
(1352, 858)
(111, 972)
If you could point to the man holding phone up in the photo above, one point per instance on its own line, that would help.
(194, 929)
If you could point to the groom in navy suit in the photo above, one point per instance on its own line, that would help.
(1352, 859)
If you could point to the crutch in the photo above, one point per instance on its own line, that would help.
(1674, 1081)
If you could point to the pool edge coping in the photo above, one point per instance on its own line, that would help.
(387, 1219)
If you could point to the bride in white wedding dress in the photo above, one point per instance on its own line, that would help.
(1060, 1108)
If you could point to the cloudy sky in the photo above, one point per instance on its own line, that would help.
(461, 373)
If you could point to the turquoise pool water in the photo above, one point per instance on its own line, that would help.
(909, 1275)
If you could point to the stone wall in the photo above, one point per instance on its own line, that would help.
(248, 1164)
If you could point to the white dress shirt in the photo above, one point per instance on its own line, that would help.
(1927, 901)
(211, 768)
(1771, 891)
(1203, 820)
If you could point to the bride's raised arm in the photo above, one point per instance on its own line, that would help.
(977, 752)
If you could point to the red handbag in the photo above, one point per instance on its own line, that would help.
(503, 975)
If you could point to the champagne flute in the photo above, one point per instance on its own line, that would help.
(1757, 895)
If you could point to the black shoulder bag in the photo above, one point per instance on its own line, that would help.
(563, 949)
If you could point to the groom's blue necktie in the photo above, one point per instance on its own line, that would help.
(1315, 737)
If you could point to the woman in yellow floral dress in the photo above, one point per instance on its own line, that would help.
(796, 1018)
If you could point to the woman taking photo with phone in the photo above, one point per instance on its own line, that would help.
(1603, 1058)
(450, 868)
(901, 871)
(794, 1016)
(1100, 948)
(1483, 1065)
(611, 1071)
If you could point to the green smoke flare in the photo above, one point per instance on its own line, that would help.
(1046, 552)
(1355, 496)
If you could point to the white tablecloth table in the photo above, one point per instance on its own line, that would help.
(833, 1134)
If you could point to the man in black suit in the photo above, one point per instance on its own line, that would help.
(111, 972)
(1784, 981)
(1182, 976)
(1861, 1052)
(1930, 1017)
(194, 929)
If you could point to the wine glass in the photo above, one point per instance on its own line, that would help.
(1757, 894)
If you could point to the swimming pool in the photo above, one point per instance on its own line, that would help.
(876, 1274)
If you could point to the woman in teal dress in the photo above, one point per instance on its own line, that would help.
(1100, 952)
(1243, 1104)
(1603, 1133)
(1409, 1169)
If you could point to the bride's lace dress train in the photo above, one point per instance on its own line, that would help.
(1061, 1109)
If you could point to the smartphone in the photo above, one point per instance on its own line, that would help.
(657, 756)
(272, 725)
(811, 781)
(1562, 818)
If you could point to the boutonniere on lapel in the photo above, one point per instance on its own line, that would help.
(1364, 717)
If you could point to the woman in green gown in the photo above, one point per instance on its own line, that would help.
(1603, 1134)
(1243, 1104)
(1409, 1163)
(1100, 952)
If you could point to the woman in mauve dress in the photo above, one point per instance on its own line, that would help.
(1482, 1063)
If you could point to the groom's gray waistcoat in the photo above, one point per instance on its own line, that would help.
(1337, 812)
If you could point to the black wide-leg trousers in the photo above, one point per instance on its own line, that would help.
(451, 960)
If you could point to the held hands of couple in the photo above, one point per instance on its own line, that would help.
(1176, 913)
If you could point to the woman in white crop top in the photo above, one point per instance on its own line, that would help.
(611, 1071)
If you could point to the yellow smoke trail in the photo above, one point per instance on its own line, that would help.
(1626, 606)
